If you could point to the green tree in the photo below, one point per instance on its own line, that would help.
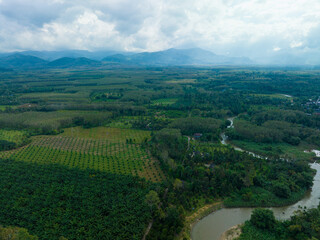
(263, 218)
(177, 184)
(152, 199)
(281, 190)
(15, 233)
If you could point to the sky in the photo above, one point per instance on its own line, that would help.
(254, 28)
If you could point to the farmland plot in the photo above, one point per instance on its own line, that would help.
(104, 149)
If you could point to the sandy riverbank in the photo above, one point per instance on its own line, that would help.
(232, 233)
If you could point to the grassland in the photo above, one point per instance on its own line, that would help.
(276, 95)
(4, 107)
(164, 101)
(55, 97)
(275, 149)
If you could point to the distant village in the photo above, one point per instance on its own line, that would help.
(313, 105)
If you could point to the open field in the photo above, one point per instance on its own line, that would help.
(280, 96)
(4, 107)
(275, 149)
(164, 101)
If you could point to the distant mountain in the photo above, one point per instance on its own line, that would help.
(19, 61)
(67, 62)
(53, 55)
(117, 58)
(170, 57)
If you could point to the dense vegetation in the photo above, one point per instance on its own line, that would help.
(12, 139)
(249, 182)
(302, 225)
(17, 233)
(53, 201)
(100, 154)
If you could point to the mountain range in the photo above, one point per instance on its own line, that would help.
(85, 59)
(193, 56)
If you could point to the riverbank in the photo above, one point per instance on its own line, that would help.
(211, 227)
(200, 213)
(232, 233)
(273, 201)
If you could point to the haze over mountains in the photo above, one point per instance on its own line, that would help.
(170, 57)
(75, 59)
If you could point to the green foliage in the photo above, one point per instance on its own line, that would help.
(245, 180)
(152, 199)
(305, 224)
(164, 101)
(12, 139)
(189, 126)
(168, 143)
(251, 232)
(102, 149)
(15, 233)
(168, 225)
(53, 201)
(172, 102)
(263, 219)
(281, 190)
(261, 197)
(302, 225)
(268, 127)
(275, 150)
(151, 123)
(6, 145)
(52, 122)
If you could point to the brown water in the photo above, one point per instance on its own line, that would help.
(212, 226)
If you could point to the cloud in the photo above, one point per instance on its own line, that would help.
(313, 38)
(35, 12)
(253, 28)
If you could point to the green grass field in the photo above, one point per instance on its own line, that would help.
(3, 107)
(32, 120)
(111, 150)
(123, 122)
(276, 95)
(182, 81)
(282, 149)
(164, 101)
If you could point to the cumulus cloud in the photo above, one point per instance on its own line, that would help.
(253, 28)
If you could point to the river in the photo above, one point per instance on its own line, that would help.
(212, 226)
